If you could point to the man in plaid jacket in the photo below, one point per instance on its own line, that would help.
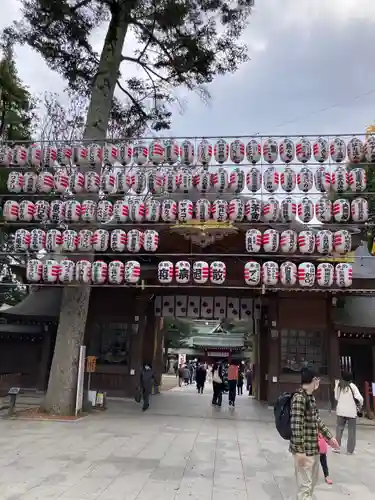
(306, 424)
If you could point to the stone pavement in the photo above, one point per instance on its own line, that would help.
(182, 449)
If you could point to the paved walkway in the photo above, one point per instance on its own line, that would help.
(182, 449)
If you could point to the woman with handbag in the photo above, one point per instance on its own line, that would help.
(217, 384)
(349, 403)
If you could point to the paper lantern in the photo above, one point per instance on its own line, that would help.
(67, 271)
(185, 210)
(171, 181)
(165, 272)
(81, 155)
(99, 272)
(237, 151)
(122, 186)
(124, 154)
(156, 153)
(221, 151)
(288, 209)
(305, 180)
(11, 210)
(22, 239)
(132, 272)
(252, 273)
(271, 240)
(69, 240)
(72, 210)
(42, 210)
(171, 151)
(155, 181)
(254, 179)
(253, 151)
(288, 273)
(104, 211)
(341, 210)
(62, 180)
(219, 180)
(324, 241)
(51, 271)
(45, 183)
(169, 210)
(306, 242)
(140, 153)
(37, 240)
(270, 273)
(322, 179)
(34, 155)
(29, 184)
(77, 182)
(303, 150)
(100, 240)
(253, 210)
(92, 182)
(369, 149)
(323, 209)
(185, 181)
(344, 275)
(357, 180)
(187, 153)
(202, 180)
(20, 156)
(287, 150)
(359, 210)
(116, 272)
(219, 210)
(64, 154)
(137, 209)
(153, 210)
(204, 153)
(6, 156)
(288, 241)
(49, 156)
(202, 210)
(236, 210)
(83, 271)
(201, 271)
(182, 272)
(134, 240)
(288, 180)
(53, 240)
(218, 272)
(120, 211)
(118, 240)
(270, 150)
(108, 182)
(306, 210)
(271, 179)
(253, 240)
(34, 270)
(321, 150)
(84, 243)
(271, 210)
(306, 274)
(355, 150)
(110, 154)
(337, 149)
(26, 211)
(236, 181)
(342, 241)
(150, 240)
(137, 180)
(325, 273)
(340, 180)
(15, 182)
(88, 211)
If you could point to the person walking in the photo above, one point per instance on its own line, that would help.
(240, 383)
(200, 377)
(323, 449)
(349, 402)
(186, 374)
(147, 381)
(217, 384)
(249, 381)
(305, 425)
(232, 382)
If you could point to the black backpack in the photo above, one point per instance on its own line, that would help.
(282, 412)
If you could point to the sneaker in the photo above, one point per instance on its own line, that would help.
(336, 450)
(328, 480)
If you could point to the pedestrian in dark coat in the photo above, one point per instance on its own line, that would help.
(147, 382)
(200, 377)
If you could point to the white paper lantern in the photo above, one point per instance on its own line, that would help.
(204, 153)
(30, 180)
(88, 211)
(11, 210)
(137, 209)
(305, 180)
(20, 156)
(236, 181)
(182, 272)
(67, 271)
(288, 209)
(344, 275)
(104, 211)
(116, 272)
(34, 155)
(271, 179)
(341, 210)
(187, 153)
(171, 180)
(288, 180)
(306, 242)
(370, 149)
(70, 240)
(125, 154)
(270, 273)
(185, 181)
(321, 150)
(100, 240)
(323, 209)
(325, 273)
(37, 240)
(201, 271)
(84, 240)
(359, 210)
(202, 210)
(51, 271)
(337, 149)
(153, 210)
(322, 179)
(64, 155)
(49, 156)
(253, 151)
(271, 241)
(236, 210)
(287, 150)
(237, 151)
(6, 156)
(221, 151)
(138, 180)
(253, 240)
(83, 271)
(81, 155)
(253, 210)
(150, 240)
(108, 182)
(171, 151)
(254, 179)
(132, 272)
(357, 180)
(342, 241)
(99, 272)
(270, 150)
(156, 153)
(219, 180)
(252, 273)
(26, 211)
(140, 153)
(118, 240)
(288, 273)
(155, 181)
(92, 182)
(169, 210)
(62, 180)
(303, 150)
(306, 210)
(219, 210)
(15, 182)
(73, 210)
(42, 210)
(218, 272)
(134, 241)
(22, 239)
(34, 270)
(110, 154)
(271, 210)
(122, 186)
(324, 241)
(306, 274)
(185, 210)
(340, 180)
(288, 241)
(53, 240)
(45, 182)
(165, 272)
(120, 211)
(202, 181)
(355, 150)
(77, 182)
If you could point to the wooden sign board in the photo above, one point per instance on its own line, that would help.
(91, 364)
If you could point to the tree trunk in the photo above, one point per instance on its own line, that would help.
(62, 386)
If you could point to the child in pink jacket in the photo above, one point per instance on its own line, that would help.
(323, 448)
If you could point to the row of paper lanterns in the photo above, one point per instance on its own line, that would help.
(85, 240)
(186, 181)
(288, 241)
(83, 271)
(152, 210)
(159, 152)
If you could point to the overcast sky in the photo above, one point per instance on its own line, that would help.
(311, 71)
